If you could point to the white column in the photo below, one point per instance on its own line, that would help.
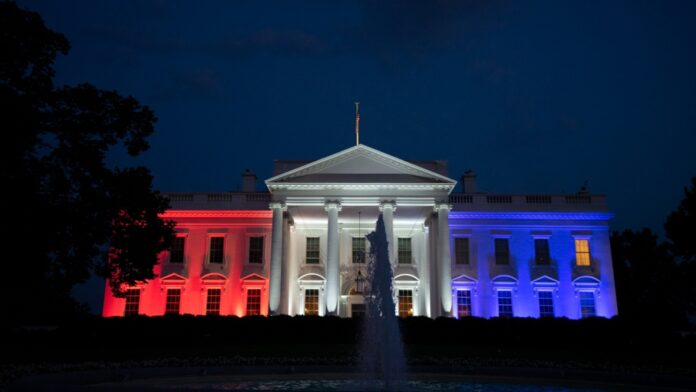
(332, 268)
(276, 258)
(387, 209)
(443, 259)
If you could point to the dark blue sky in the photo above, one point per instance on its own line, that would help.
(533, 96)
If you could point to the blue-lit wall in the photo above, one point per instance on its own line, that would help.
(522, 276)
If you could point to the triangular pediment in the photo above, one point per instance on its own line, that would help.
(360, 164)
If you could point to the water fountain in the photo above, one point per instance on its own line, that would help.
(382, 350)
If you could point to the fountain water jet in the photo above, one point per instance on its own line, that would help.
(382, 350)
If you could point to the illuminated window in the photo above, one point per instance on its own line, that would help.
(253, 307)
(545, 303)
(587, 304)
(461, 250)
(357, 310)
(504, 303)
(463, 303)
(217, 248)
(132, 302)
(312, 253)
(212, 305)
(502, 251)
(256, 250)
(173, 301)
(359, 250)
(176, 255)
(405, 303)
(541, 252)
(404, 255)
(311, 302)
(582, 252)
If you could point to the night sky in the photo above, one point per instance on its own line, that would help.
(535, 97)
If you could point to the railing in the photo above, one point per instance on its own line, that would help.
(461, 199)
(498, 199)
(537, 199)
(180, 196)
(533, 202)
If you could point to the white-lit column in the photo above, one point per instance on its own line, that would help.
(387, 209)
(443, 259)
(276, 258)
(332, 269)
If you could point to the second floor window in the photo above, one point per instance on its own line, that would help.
(502, 251)
(312, 253)
(359, 250)
(217, 248)
(256, 250)
(176, 255)
(541, 252)
(461, 250)
(404, 256)
(582, 253)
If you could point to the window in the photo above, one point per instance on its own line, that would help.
(504, 303)
(173, 301)
(217, 247)
(502, 251)
(359, 250)
(463, 303)
(587, 304)
(311, 302)
(582, 253)
(253, 307)
(404, 255)
(212, 305)
(357, 310)
(541, 252)
(545, 303)
(132, 302)
(256, 250)
(312, 255)
(405, 303)
(461, 250)
(176, 255)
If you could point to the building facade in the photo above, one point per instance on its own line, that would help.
(300, 248)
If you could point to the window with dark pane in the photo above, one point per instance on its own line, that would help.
(463, 303)
(545, 303)
(312, 252)
(212, 304)
(173, 301)
(359, 250)
(404, 255)
(132, 302)
(256, 250)
(504, 303)
(461, 250)
(587, 304)
(176, 255)
(502, 251)
(217, 249)
(253, 307)
(541, 252)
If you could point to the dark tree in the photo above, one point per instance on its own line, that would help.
(66, 213)
(680, 226)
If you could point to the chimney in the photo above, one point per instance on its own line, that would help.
(248, 181)
(469, 182)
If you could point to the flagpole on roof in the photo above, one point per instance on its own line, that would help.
(357, 123)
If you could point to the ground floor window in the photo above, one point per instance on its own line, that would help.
(173, 301)
(405, 303)
(504, 303)
(212, 304)
(311, 302)
(463, 303)
(587, 304)
(132, 302)
(357, 310)
(253, 307)
(545, 304)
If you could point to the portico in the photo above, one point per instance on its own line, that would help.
(331, 204)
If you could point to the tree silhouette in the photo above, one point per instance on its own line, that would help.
(66, 213)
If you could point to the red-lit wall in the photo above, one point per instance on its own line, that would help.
(234, 276)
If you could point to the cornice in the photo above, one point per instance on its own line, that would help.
(584, 216)
(248, 214)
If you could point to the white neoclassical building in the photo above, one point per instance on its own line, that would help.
(299, 248)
